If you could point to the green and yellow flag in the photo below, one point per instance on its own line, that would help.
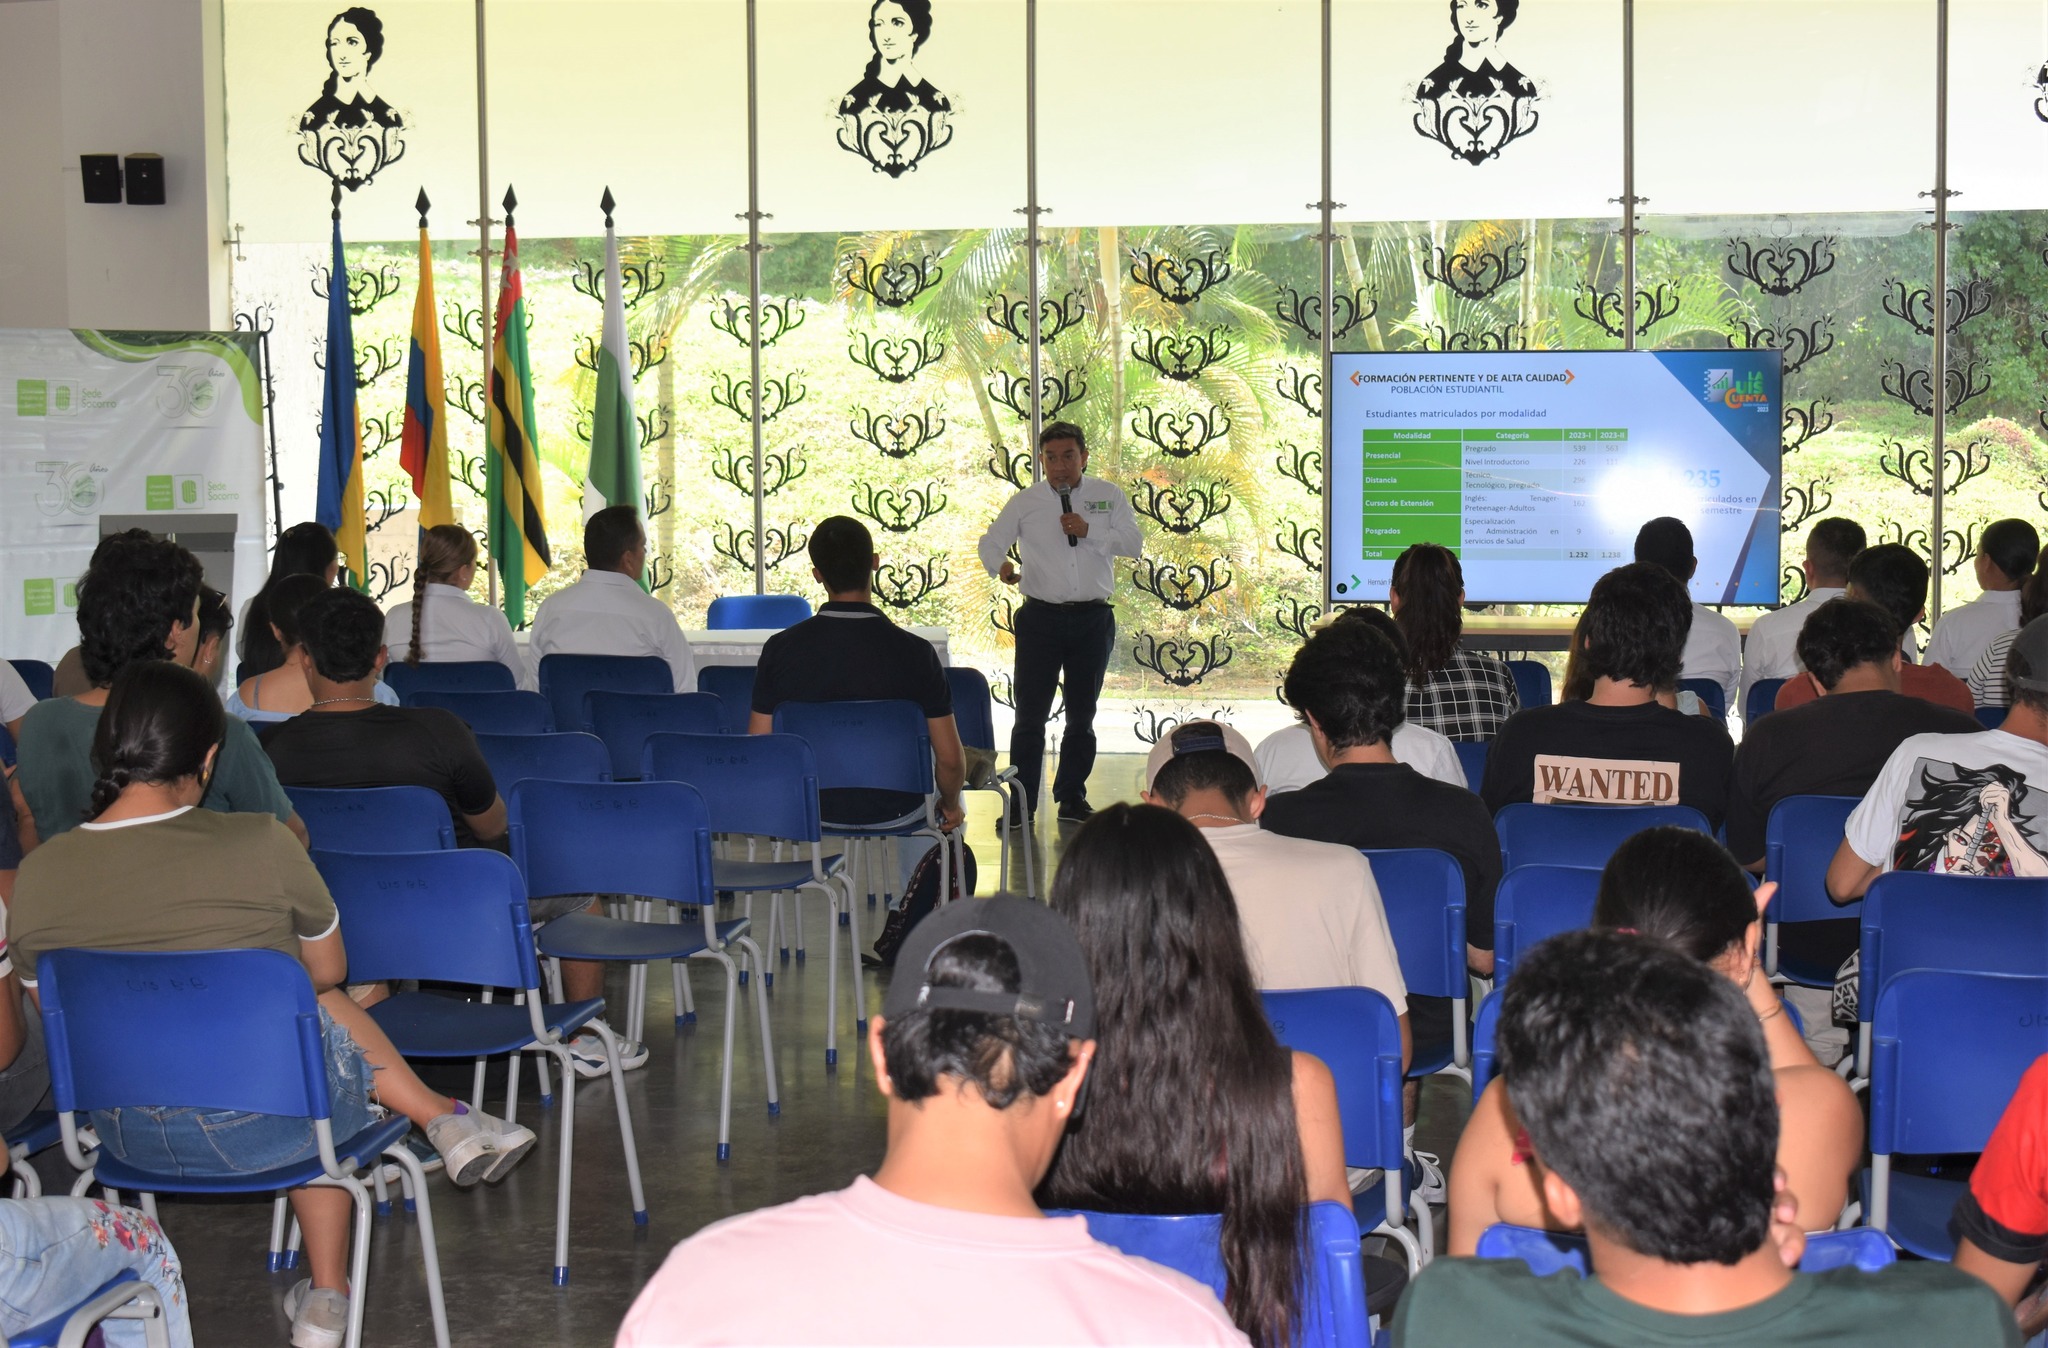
(512, 479)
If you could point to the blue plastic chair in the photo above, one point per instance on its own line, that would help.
(38, 675)
(1472, 758)
(460, 917)
(1948, 1050)
(226, 1030)
(1548, 1252)
(625, 720)
(756, 611)
(565, 679)
(448, 676)
(576, 757)
(1799, 843)
(1709, 692)
(1924, 920)
(500, 713)
(1484, 1026)
(1580, 835)
(38, 1132)
(734, 687)
(1991, 718)
(883, 745)
(765, 786)
(374, 818)
(1538, 901)
(652, 841)
(1423, 893)
(123, 1297)
(1532, 682)
(974, 715)
(1763, 698)
(1334, 1314)
(1357, 1035)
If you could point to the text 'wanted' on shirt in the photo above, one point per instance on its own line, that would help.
(1604, 781)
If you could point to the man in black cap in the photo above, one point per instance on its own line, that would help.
(984, 1041)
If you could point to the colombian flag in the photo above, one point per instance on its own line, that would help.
(519, 539)
(423, 448)
(339, 503)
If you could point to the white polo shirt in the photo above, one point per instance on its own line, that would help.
(456, 627)
(1963, 633)
(1051, 570)
(1713, 650)
(607, 613)
(1287, 757)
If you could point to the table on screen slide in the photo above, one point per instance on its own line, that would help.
(1493, 495)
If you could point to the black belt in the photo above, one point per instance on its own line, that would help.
(1068, 603)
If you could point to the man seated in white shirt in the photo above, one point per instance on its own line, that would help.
(1772, 651)
(1311, 914)
(1713, 648)
(606, 612)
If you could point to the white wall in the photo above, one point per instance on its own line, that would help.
(111, 76)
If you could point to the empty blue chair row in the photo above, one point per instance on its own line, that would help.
(624, 721)
(500, 712)
(565, 679)
(1580, 835)
(374, 818)
(448, 676)
(38, 675)
(576, 757)
(733, 685)
(1800, 841)
(1423, 893)
(1534, 902)
(974, 715)
(757, 611)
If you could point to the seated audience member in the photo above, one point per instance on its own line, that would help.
(606, 612)
(214, 881)
(68, 679)
(1618, 747)
(347, 738)
(849, 651)
(1643, 1085)
(15, 699)
(453, 626)
(1771, 650)
(1713, 648)
(282, 693)
(138, 601)
(1310, 912)
(216, 620)
(1893, 577)
(1460, 694)
(2007, 553)
(1987, 679)
(2001, 1225)
(1210, 1113)
(306, 549)
(24, 1067)
(56, 1252)
(1286, 759)
(1681, 888)
(986, 1035)
(1962, 804)
(1346, 684)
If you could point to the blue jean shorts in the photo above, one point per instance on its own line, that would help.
(202, 1143)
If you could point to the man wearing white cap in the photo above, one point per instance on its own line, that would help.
(1310, 911)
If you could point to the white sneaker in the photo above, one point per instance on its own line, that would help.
(1430, 1188)
(586, 1050)
(478, 1146)
(319, 1318)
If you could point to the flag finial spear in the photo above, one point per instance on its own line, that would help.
(420, 204)
(337, 199)
(606, 205)
(511, 205)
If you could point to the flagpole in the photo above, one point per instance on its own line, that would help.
(754, 301)
(483, 252)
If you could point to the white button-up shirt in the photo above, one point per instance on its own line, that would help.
(1052, 571)
(607, 613)
(456, 627)
(1713, 650)
(1772, 651)
(1963, 633)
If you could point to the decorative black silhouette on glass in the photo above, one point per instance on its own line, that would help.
(350, 134)
(894, 117)
(1476, 102)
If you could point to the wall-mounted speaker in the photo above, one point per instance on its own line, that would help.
(102, 177)
(145, 179)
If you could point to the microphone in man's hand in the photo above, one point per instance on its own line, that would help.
(1067, 508)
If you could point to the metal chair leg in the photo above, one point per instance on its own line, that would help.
(565, 1159)
(767, 1036)
(832, 973)
(415, 1179)
(626, 1137)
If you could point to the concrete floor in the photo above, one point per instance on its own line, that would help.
(496, 1244)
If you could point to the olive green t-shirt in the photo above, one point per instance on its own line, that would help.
(56, 768)
(187, 880)
(1455, 1303)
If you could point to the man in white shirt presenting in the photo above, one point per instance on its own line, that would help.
(1772, 649)
(1713, 648)
(1069, 529)
(606, 612)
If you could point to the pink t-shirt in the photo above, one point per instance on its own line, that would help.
(865, 1266)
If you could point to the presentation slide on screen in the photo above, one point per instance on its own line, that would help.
(1537, 468)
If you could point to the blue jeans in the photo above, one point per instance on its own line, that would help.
(203, 1143)
(56, 1252)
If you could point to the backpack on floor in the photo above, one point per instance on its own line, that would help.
(920, 896)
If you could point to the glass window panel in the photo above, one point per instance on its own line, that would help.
(1998, 104)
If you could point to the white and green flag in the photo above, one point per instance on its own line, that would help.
(614, 475)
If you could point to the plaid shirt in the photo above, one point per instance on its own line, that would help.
(1468, 699)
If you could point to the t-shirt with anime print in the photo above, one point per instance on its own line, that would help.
(1967, 804)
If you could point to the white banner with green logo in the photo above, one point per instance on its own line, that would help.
(103, 431)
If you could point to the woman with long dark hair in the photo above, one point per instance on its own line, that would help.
(1460, 694)
(1682, 888)
(1196, 1106)
(306, 549)
(453, 626)
(282, 693)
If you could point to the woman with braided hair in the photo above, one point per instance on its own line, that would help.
(441, 622)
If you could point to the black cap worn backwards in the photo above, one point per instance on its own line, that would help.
(1053, 987)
